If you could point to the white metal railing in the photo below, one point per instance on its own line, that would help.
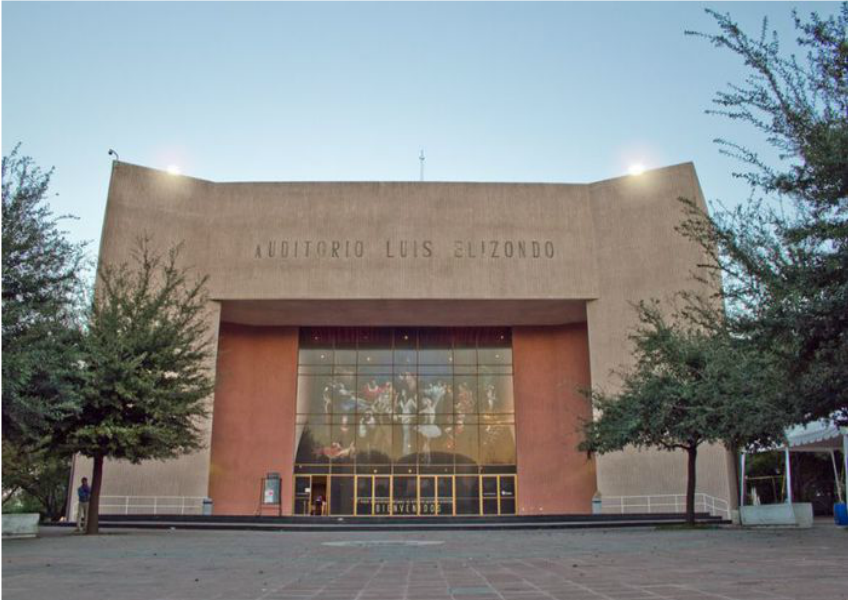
(658, 503)
(193, 505)
(147, 505)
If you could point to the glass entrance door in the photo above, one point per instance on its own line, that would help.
(302, 494)
(382, 496)
(490, 495)
(365, 496)
(433, 496)
(373, 495)
(506, 487)
(427, 496)
(404, 495)
(410, 495)
(498, 497)
(445, 495)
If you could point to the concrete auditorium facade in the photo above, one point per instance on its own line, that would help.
(410, 348)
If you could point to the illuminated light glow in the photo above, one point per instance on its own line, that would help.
(636, 169)
(173, 169)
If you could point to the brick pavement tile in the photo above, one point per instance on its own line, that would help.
(517, 586)
(747, 595)
(623, 594)
(576, 595)
(610, 565)
(695, 595)
(631, 596)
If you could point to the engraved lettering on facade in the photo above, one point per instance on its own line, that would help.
(406, 249)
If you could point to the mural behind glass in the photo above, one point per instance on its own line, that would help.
(428, 413)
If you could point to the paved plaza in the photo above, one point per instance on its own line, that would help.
(610, 564)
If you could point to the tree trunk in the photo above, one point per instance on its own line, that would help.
(56, 505)
(50, 503)
(692, 453)
(92, 525)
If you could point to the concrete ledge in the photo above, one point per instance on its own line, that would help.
(784, 515)
(20, 525)
(337, 524)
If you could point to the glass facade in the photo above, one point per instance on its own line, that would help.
(405, 421)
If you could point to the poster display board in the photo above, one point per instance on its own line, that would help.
(271, 493)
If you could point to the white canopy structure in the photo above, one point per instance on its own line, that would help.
(818, 436)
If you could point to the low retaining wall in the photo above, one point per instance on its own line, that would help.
(787, 515)
(20, 525)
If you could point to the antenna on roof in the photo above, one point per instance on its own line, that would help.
(421, 158)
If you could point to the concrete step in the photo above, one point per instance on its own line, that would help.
(198, 522)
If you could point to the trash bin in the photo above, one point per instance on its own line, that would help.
(597, 504)
(207, 507)
(840, 514)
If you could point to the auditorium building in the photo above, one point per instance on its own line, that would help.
(412, 348)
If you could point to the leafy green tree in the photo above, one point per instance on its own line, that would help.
(145, 375)
(41, 283)
(689, 386)
(783, 256)
(779, 354)
(43, 276)
(35, 478)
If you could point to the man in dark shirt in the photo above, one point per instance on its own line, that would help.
(83, 495)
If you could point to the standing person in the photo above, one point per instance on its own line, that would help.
(319, 506)
(83, 495)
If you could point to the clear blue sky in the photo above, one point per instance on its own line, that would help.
(546, 92)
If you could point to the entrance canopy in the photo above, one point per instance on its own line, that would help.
(818, 436)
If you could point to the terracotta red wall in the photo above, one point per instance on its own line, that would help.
(551, 364)
(255, 399)
(253, 418)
